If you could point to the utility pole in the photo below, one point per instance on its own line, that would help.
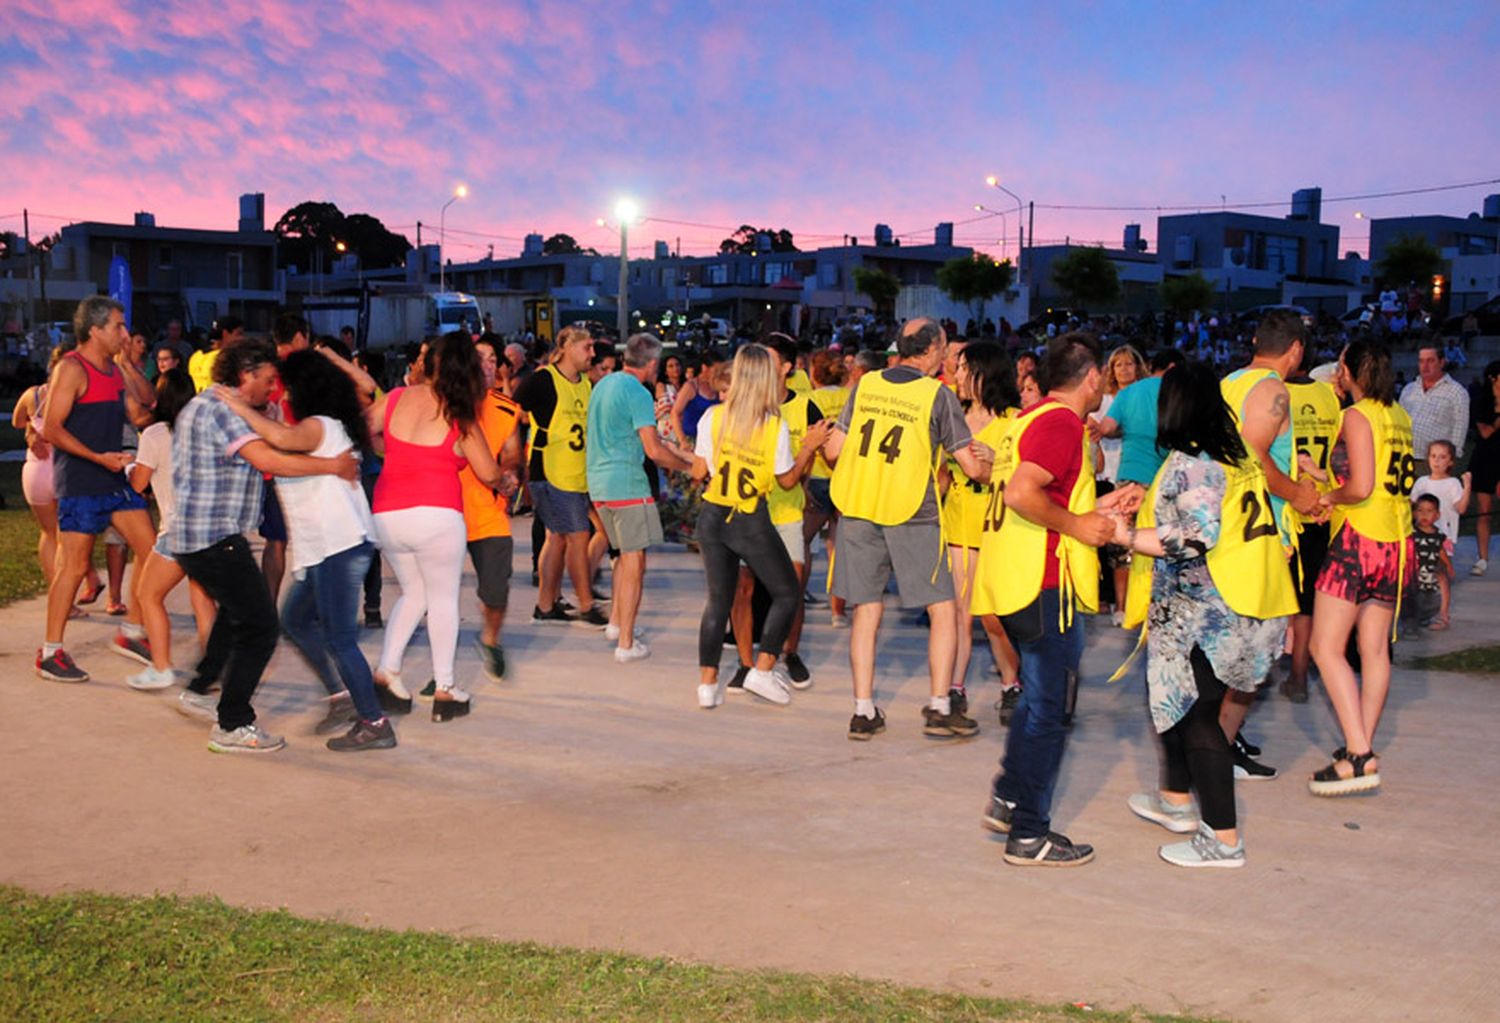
(26, 232)
(622, 315)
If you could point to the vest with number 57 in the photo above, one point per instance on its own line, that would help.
(887, 462)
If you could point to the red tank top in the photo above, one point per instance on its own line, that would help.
(417, 475)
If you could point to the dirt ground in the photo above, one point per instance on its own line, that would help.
(589, 804)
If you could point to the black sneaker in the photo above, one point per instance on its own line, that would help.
(1294, 690)
(797, 672)
(558, 615)
(1245, 745)
(59, 667)
(373, 619)
(944, 726)
(1007, 705)
(863, 729)
(1049, 850)
(1247, 769)
(592, 618)
(998, 814)
(737, 684)
(959, 701)
(365, 735)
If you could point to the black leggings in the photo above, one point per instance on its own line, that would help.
(724, 544)
(1197, 754)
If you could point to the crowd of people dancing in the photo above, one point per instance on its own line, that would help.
(1249, 525)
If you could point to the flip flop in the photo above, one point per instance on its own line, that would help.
(91, 596)
(116, 609)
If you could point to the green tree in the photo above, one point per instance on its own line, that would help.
(1190, 294)
(745, 240)
(1087, 276)
(974, 281)
(376, 246)
(881, 287)
(308, 234)
(561, 245)
(1410, 259)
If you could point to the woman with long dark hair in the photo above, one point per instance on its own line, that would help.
(431, 431)
(986, 384)
(331, 536)
(160, 572)
(1219, 594)
(1370, 561)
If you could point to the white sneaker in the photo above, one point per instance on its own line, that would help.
(1117, 618)
(710, 697)
(203, 706)
(244, 739)
(612, 633)
(767, 686)
(837, 620)
(152, 678)
(639, 651)
(1480, 567)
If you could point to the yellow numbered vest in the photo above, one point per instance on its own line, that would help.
(968, 501)
(1385, 515)
(1248, 564)
(887, 463)
(1315, 425)
(798, 383)
(786, 503)
(563, 458)
(1236, 388)
(1013, 550)
(743, 473)
(830, 402)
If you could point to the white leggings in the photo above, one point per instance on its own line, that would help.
(425, 548)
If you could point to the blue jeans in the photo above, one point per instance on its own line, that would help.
(321, 617)
(1034, 748)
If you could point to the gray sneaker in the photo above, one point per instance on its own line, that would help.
(1181, 820)
(365, 735)
(244, 739)
(998, 814)
(1204, 850)
(203, 706)
(340, 715)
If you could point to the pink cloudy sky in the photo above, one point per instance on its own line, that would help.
(823, 118)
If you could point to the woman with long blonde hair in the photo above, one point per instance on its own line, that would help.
(748, 450)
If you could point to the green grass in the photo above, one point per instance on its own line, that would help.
(85, 956)
(20, 575)
(1476, 660)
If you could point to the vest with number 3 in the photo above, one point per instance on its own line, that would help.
(887, 462)
(563, 457)
(1013, 549)
(743, 473)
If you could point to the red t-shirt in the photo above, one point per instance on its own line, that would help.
(1054, 441)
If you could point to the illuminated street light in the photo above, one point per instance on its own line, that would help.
(980, 207)
(461, 192)
(627, 213)
(995, 182)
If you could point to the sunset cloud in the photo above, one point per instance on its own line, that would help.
(824, 118)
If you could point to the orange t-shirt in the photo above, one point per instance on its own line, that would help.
(484, 510)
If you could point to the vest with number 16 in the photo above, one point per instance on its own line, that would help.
(743, 474)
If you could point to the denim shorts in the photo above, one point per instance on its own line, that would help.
(272, 521)
(90, 513)
(561, 511)
(819, 501)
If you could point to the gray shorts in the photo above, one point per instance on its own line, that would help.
(867, 554)
(631, 527)
(492, 556)
(791, 539)
(561, 511)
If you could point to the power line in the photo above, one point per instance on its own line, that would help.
(1263, 205)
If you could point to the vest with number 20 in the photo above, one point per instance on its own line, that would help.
(887, 462)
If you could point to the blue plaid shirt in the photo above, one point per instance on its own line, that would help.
(218, 492)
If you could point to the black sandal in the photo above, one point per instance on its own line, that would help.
(1328, 781)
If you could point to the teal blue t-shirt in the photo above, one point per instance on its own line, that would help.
(1134, 408)
(619, 407)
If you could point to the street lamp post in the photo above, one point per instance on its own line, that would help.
(626, 212)
(458, 193)
(981, 208)
(995, 182)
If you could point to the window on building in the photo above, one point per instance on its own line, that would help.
(164, 256)
(1281, 253)
(716, 273)
(119, 249)
(775, 272)
(235, 270)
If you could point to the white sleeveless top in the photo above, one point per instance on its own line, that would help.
(325, 515)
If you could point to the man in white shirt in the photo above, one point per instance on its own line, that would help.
(1438, 406)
